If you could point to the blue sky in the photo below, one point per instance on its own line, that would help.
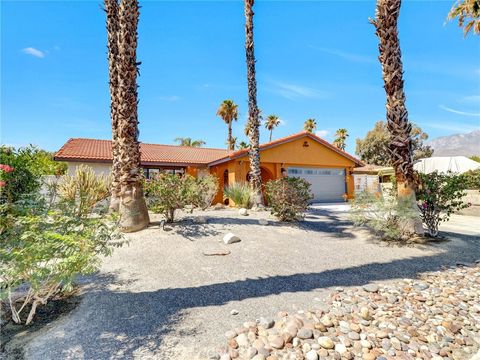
(314, 59)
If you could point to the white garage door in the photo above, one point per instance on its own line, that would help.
(327, 184)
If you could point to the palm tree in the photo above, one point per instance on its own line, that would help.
(400, 146)
(467, 11)
(228, 111)
(253, 111)
(189, 142)
(132, 206)
(340, 138)
(111, 9)
(242, 145)
(310, 125)
(271, 123)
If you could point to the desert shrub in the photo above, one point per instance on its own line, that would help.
(472, 179)
(45, 245)
(167, 193)
(84, 189)
(438, 196)
(203, 191)
(288, 197)
(240, 193)
(388, 217)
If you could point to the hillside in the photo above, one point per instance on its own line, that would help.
(458, 144)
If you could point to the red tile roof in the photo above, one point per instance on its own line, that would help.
(101, 151)
(156, 154)
(243, 152)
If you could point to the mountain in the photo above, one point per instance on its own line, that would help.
(458, 144)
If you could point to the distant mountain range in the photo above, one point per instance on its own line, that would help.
(458, 144)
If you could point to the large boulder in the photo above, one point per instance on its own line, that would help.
(231, 238)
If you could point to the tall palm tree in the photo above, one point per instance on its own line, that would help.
(253, 112)
(271, 123)
(132, 206)
(341, 138)
(468, 14)
(189, 142)
(228, 111)
(111, 9)
(400, 146)
(310, 125)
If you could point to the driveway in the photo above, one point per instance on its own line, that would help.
(162, 298)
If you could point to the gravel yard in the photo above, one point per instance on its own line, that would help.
(161, 297)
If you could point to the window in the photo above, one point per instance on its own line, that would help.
(294, 171)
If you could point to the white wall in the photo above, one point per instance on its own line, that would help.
(99, 168)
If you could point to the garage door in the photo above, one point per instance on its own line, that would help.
(327, 184)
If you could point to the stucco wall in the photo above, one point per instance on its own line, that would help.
(99, 168)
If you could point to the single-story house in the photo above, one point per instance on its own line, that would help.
(304, 155)
(370, 177)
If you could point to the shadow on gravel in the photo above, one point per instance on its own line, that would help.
(114, 325)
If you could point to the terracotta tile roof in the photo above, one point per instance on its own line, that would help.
(240, 153)
(101, 150)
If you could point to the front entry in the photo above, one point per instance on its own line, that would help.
(328, 184)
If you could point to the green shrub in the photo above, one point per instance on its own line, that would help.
(472, 179)
(46, 244)
(203, 191)
(239, 193)
(288, 197)
(438, 196)
(388, 217)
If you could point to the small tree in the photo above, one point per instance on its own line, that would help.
(288, 197)
(203, 191)
(439, 196)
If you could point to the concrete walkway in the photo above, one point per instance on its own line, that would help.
(162, 298)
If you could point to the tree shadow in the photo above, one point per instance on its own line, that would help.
(115, 324)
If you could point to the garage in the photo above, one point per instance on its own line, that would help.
(328, 184)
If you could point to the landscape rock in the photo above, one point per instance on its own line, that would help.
(243, 212)
(263, 222)
(231, 238)
(200, 220)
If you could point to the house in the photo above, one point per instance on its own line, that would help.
(371, 178)
(304, 155)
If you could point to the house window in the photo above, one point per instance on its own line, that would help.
(294, 171)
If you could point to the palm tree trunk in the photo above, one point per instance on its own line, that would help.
(230, 144)
(254, 124)
(111, 8)
(271, 131)
(133, 208)
(400, 146)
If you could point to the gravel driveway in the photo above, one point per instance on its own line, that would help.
(162, 298)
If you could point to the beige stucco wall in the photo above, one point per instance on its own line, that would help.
(99, 168)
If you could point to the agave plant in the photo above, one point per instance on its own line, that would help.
(240, 193)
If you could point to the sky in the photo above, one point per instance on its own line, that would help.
(315, 59)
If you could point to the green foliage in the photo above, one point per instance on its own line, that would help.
(468, 14)
(203, 191)
(341, 138)
(475, 158)
(84, 189)
(288, 197)
(240, 193)
(388, 216)
(167, 193)
(45, 244)
(310, 125)
(472, 179)
(189, 142)
(373, 149)
(438, 196)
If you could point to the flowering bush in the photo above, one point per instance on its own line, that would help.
(45, 244)
(438, 196)
(288, 197)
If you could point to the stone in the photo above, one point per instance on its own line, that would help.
(230, 334)
(242, 340)
(304, 333)
(266, 323)
(225, 357)
(311, 355)
(234, 312)
(219, 206)
(366, 344)
(263, 222)
(353, 335)
(325, 342)
(251, 352)
(340, 348)
(371, 288)
(243, 212)
(200, 220)
(259, 357)
(276, 341)
(231, 238)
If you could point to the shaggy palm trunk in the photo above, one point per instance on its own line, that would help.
(230, 140)
(400, 146)
(111, 8)
(133, 208)
(253, 120)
